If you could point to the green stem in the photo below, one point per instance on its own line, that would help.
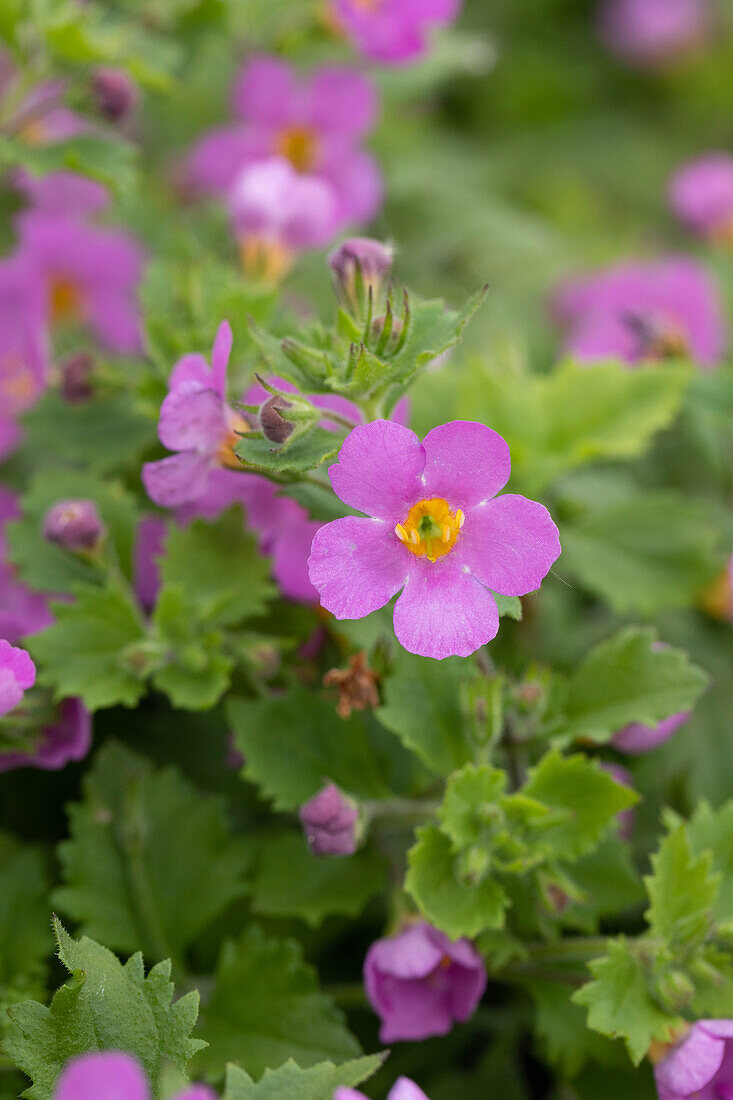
(400, 807)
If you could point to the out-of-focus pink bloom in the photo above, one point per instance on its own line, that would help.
(637, 738)
(700, 1066)
(113, 1075)
(67, 738)
(149, 545)
(436, 530)
(115, 93)
(74, 524)
(701, 195)
(420, 983)
(625, 818)
(403, 1089)
(642, 311)
(17, 674)
(316, 124)
(329, 821)
(395, 31)
(22, 611)
(24, 355)
(653, 32)
(90, 273)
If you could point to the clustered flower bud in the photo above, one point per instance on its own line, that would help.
(115, 95)
(360, 265)
(274, 426)
(329, 820)
(74, 524)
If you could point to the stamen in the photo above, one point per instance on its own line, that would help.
(401, 532)
(430, 528)
(446, 534)
(460, 518)
(414, 536)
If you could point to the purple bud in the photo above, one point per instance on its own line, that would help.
(76, 373)
(115, 95)
(360, 265)
(274, 427)
(329, 820)
(74, 524)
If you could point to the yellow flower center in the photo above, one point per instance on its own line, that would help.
(66, 299)
(717, 598)
(430, 529)
(226, 454)
(264, 260)
(299, 145)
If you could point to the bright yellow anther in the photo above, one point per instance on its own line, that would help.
(460, 518)
(414, 536)
(401, 532)
(430, 529)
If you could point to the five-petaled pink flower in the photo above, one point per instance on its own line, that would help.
(437, 531)
(17, 674)
(394, 31)
(700, 1066)
(420, 983)
(112, 1075)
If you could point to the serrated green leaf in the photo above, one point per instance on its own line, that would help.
(470, 796)
(307, 744)
(111, 161)
(104, 1006)
(195, 671)
(289, 881)
(711, 830)
(218, 567)
(291, 1082)
(421, 706)
(305, 453)
(25, 939)
(266, 1008)
(619, 1003)
(82, 653)
(626, 679)
(682, 891)
(585, 794)
(434, 329)
(561, 1027)
(150, 863)
(456, 908)
(101, 434)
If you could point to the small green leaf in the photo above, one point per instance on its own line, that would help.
(266, 1008)
(710, 830)
(25, 939)
(290, 1082)
(150, 863)
(561, 1027)
(455, 907)
(471, 795)
(195, 670)
(682, 891)
(308, 451)
(101, 434)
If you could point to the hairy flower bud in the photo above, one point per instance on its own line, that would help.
(74, 524)
(114, 93)
(274, 426)
(329, 820)
(76, 386)
(360, 266)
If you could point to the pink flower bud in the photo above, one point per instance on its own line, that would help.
(74, 524)
(115, 95)
(274, 426)
(329, 820)
(360, 265)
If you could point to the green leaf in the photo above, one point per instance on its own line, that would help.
(626, 679)
(575, 415)
(218, 567)
(471, 795)
(289, 881)
(307, 744)
(101, 434)
(290, 1082)
(421, 706)
(266, 1008)
(561, 1027)
(50, 568)
(83, 652)
(509, 607)
(644, 553)
(587, 796)
(150, 863)
(433, 330)
(104, 1006)
(458, 908)
(196, 671)
(305, 453)
(682, 891)
(25, 941)
(111, 161)
(619, 1003)
(710, 830)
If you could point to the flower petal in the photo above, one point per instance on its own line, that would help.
(342, 101)
(405, 1089)
(356, 565)
(692, 1064)
(266, 91)
(509, 544)
(379, 470)
(465, 463)
(190, 368)
(192, 419)
(104, 1075)
(220, 353)
(444, 612)
(176, 480)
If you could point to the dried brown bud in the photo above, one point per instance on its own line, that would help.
(357, 685)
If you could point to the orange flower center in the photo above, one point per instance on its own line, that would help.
(17, 384)
(66, 299)
(226, 453)
(266, 261)
(717, 598)
(299, 145)
(431, 529)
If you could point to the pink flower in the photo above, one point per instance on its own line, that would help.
(642, 311)
(437, 531)
(700, 1067)
(17, 674)
(701, 195)
(316, 124)
(652, 32)
(637, 738)
(67, 738)
(109, 1075)
(272, 203)
(329, 820)
(75, 525)
(149, 544)
(22, 611)
(394, 31)
(24, 353)
(90, 275)
(403, 1089)
(420, 983)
